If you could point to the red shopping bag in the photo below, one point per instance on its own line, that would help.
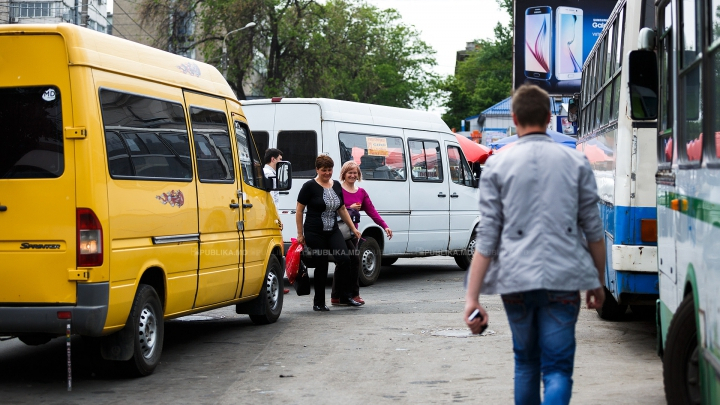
(292, 260)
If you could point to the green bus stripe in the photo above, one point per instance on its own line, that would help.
(697, 208)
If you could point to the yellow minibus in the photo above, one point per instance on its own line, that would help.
(131, 192)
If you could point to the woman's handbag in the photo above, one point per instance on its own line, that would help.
(302, 281)
(292, 260)
(345, 230)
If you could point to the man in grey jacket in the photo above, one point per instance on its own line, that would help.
(539, 242)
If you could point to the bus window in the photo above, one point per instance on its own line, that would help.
(425, 160)
(262, 142)
(616, 99)
(690, 38)
(598, 109)
(32, 123)
(300, 149)
(665, 145)
(690, 135)
(621, 35)
(714, 146)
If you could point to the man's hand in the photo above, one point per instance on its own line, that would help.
(478, 267)
(476, 324)
(595, 298)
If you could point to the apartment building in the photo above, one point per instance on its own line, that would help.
(87, 13)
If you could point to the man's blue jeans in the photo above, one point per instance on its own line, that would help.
(543, 331)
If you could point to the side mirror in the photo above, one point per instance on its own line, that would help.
(646, 39)
(642, 65)
(283, 181)
(573, 108)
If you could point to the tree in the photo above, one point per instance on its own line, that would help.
(484, 78)
(343, 49)
(360, 53)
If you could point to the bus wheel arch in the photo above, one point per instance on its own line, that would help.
(120, 346)
(464, 257)
(681, 372)
(155, 278)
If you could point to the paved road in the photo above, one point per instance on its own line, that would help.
(407, 345)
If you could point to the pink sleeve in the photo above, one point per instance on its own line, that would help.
(369, 209)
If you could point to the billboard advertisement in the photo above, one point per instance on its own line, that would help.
(552, 40)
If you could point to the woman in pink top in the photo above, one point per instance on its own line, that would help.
(356, 199)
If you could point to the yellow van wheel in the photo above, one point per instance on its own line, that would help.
(270, 301)
(148, 329)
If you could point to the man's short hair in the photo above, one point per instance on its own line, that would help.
(531, 105)
(270, 154)
(324, 162)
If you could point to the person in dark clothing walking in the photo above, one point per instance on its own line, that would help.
(323, 198)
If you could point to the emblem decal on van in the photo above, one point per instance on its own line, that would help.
(174, 197)
(26, 245)
(49, 95)
(190, 68)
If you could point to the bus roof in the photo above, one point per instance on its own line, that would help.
(86, 47)
(353, 112)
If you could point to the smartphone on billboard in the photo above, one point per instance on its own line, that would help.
(538, 33)
(568, 43)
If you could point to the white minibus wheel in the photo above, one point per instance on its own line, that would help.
(370, 255)
(464, 258)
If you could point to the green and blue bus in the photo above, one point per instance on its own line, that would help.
(675, 75)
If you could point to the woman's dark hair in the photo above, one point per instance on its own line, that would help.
(324, 162)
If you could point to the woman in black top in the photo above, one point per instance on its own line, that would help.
(323, 198)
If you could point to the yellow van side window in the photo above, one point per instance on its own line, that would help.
(145, 138)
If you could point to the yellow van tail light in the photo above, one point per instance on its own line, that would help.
(648, 230)
(89, 239)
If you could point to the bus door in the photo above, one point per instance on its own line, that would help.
(463, 197)
(218, 206)
(429, 195)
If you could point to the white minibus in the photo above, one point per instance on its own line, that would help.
(412, 167)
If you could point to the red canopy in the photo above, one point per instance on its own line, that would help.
(595, 154)
(474, 152)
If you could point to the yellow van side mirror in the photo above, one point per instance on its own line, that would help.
(283, 179)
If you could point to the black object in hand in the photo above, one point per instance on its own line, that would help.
(476, 314)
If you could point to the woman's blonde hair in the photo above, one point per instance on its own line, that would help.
(347, 166)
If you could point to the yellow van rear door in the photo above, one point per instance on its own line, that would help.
(37, 172)
(218, 204)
